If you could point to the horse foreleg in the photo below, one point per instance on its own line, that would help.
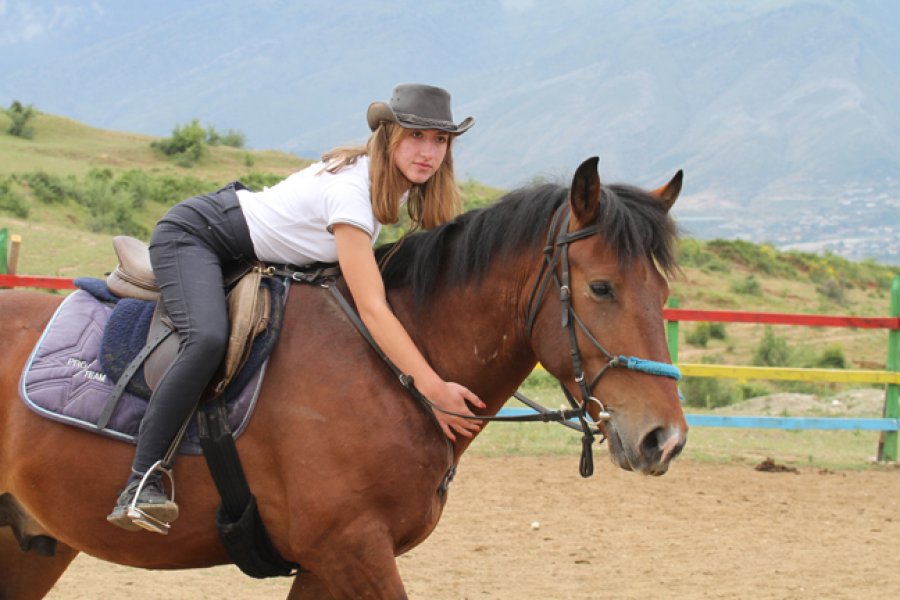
(354, 565)
(308, 587)
(29, 575)
(347, 582)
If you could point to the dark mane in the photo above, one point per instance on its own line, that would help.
(631, 221)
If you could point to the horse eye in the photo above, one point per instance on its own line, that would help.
(602, 289)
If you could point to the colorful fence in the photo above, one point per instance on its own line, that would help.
(889, 425)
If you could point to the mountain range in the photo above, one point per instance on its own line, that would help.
(784, 114)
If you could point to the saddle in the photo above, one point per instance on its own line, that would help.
(248, 311)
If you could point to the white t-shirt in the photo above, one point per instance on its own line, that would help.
(292, 222)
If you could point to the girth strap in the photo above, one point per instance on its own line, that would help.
(241, 529)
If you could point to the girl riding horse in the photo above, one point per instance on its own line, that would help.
(331, 211)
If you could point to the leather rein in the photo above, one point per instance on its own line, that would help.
(554, 268)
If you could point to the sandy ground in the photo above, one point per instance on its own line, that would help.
(531, 528)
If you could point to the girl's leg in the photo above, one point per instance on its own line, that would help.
(190, 277)
(188, 249)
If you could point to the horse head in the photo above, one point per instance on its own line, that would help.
(609, 251)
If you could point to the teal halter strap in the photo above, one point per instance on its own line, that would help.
(651, 367)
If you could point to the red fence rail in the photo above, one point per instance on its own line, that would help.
(35, 281)
(731, 316)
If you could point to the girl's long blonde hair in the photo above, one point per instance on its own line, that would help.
(431, 203)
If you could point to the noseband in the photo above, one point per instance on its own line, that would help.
(555, 268)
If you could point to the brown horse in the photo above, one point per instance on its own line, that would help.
(346, 468)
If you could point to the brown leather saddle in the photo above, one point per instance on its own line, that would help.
(248, 311)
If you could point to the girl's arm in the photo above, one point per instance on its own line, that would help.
(357, 260)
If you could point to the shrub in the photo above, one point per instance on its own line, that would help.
(717, 331)
(52, 189)
(705, 392)
(11, 201)
(232, 138)
(762, 258)
(187, 146)
(113, 214)
(699, 336)
(19, 117)
(111, 210)
(137, 185)
(168, 190)
(772, 351)
(708, 392)
(833, 290)
(693, 253)
(258, 181)
(803, 356)
(753, 390)
(832, 357)
(748, 286)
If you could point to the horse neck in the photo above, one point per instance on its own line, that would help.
(475, 333)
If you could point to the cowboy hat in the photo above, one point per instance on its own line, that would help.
(417, 106)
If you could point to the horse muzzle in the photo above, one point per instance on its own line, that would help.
(652, 452)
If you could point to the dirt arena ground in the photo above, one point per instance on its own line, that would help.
(531, 528)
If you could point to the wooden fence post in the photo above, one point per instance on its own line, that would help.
(12, 262)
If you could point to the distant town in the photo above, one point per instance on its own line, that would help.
(867, 226)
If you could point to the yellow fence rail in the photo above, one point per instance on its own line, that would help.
(789, 374)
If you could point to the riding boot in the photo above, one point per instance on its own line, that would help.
(151, 510)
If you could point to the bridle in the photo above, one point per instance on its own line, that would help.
(555, 257)
(555, 268)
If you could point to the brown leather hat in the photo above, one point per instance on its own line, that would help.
(417, 106)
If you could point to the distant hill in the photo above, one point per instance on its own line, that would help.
(784, 114)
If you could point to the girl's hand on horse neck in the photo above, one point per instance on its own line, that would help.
(453, 397)
(360, 270)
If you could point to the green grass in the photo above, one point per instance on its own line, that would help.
(65, 147)
(60, 251)
(837, 450)
(821, 449)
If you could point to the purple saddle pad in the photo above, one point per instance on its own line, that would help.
(63, 380)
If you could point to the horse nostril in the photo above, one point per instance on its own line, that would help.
(661, 445)
(650, 445)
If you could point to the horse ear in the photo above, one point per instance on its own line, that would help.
(584, 195)
(669, 192)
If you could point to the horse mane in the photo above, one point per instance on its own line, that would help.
(633, 223)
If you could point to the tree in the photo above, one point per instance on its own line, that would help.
(20, 116)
